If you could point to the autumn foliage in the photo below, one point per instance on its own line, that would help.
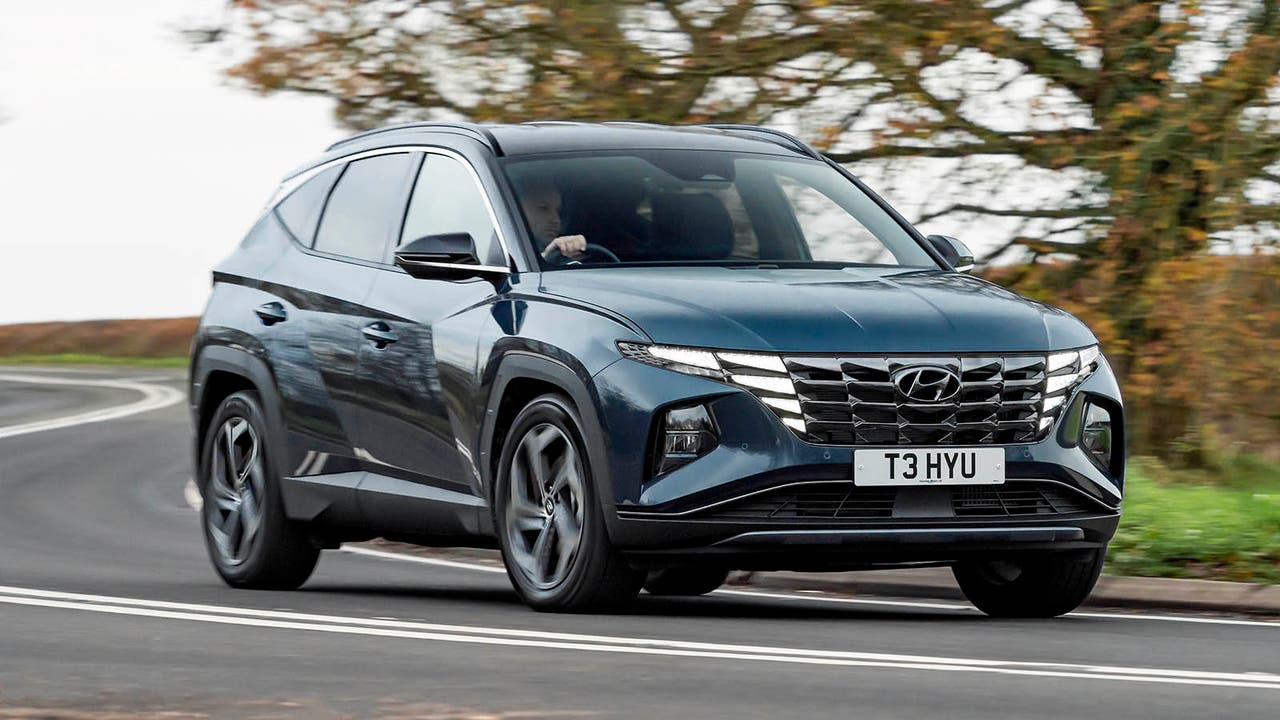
(1206, 378)
(1156, 124)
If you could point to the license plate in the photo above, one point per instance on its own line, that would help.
(913, 466)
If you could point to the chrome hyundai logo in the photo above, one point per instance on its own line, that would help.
(927, 383)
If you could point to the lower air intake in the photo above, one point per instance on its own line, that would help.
(842, 502)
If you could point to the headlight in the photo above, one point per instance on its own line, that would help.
(762, 374)
(1095, 435)
(686, 434)
(1064, 371)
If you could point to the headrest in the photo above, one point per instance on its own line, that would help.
(690, 226)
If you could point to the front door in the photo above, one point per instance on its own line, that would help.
(417, 365)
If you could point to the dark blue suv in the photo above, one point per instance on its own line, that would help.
(639, 356)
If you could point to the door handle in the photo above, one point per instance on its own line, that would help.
(379, 333)
(271, 313)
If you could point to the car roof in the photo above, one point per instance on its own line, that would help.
(555, 136)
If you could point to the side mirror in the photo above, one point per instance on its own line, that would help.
(450, 255)
(956, 253)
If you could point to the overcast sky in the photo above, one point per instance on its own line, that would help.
(128, 165)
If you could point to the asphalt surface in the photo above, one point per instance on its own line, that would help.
(107, 601)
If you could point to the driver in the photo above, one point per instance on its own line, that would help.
(540, 201)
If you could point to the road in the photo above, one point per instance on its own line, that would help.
(107, 601)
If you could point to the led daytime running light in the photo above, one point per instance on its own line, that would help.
(781, 386)
(783, 404)
(772, 363)
(763, 375)
(1066, 370)
(685, 356)
(795, 424)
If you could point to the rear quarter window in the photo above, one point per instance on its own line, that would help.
(300, 211)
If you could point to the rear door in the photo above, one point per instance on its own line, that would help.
(342, 229)
(418, 379)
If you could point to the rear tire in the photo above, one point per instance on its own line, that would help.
(684, 581)
(250, 541)
(549, 520)
(1045, 586)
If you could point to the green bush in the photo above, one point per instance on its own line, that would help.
(1181, 525)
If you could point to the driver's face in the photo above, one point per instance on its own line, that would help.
(542, 209)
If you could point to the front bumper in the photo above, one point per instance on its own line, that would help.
(689, 514)
(665, 542)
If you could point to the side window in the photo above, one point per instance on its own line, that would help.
(365, 207)
(446, 199)
(300, 211)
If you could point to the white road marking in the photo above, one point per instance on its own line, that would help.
(153, 378)
(154, 397)
(251, 617)
(837, 599)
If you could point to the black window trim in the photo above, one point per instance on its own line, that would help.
(293, 183)
(274, 208)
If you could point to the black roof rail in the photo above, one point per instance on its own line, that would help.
(479, 132)
(776, 137)
(641, 124)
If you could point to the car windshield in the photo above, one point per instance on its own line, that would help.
(703, 207)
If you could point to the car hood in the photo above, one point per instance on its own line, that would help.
(852, 310)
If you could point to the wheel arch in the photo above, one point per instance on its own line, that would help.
(217, 372)
(523, 376)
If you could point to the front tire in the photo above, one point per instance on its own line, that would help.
(549, 521)
(1043, 586)
(250, 541)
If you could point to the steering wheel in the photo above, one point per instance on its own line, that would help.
(560, 258)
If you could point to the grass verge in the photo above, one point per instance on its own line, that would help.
(90, 359)
(1180, 526)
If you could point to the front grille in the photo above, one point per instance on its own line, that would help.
(842, 501)
(1016, 500)
(835, 501)
(855, 401)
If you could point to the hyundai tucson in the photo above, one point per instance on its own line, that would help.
(632, 357)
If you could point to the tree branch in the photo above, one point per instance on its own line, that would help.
(983, 30)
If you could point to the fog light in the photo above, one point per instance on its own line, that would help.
(1095, 435)
(686, 434)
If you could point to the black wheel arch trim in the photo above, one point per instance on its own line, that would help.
(242, 362)
(524, 365)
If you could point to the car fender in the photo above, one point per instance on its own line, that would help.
(208, 358)
(519, 364)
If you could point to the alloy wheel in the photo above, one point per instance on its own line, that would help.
(544, 513)
(235, 493)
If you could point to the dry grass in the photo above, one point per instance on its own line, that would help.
(158, 338)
